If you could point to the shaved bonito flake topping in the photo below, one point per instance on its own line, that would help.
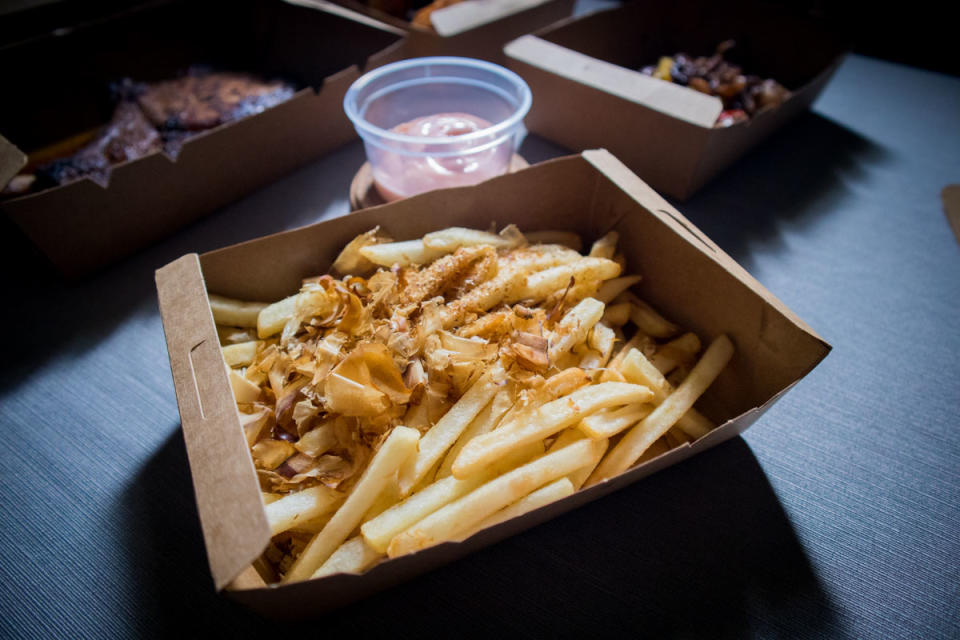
(489, 332)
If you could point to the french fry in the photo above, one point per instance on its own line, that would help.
(387, 498)
(240, 354)
(606, 246)
(601, 338)
(511, 276)
(404, 254)
(317, 441)
(613, 288)
(381, 530)
(546, 421)
(638, 439)
(638, 370)
(273, 317)
(647, 318)
(612, 372)
(615, 315)
(400, 444)
(237, 313)
(565, 238)
(539, 285)
(485, 422)
(433, 279)
(589, 359)
(556, 490)
(233, 335)
(609, 422)
(567, 437)
(293, 509)
(442, 435)
(695, 424)
(461, 515)
(574, 327)
(314, 525)
(485, 324)
(677, 351)
(425, 481)
(353, 556)
(559, 384)
(453, 238)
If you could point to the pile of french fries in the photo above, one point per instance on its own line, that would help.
(428, 389)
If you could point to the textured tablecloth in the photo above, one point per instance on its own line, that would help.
(835, 516)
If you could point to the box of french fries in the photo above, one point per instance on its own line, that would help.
(369, 397)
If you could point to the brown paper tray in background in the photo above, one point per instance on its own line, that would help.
(588, 92)
(685, 275)
(62, 82)
(473, 35)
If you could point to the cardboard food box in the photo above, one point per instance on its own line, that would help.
(473, 28)
(62, 88)
(588, 90)
(686, 276)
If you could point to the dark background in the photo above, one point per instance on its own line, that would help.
(918, 33)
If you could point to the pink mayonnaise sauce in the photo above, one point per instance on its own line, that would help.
(397, 176)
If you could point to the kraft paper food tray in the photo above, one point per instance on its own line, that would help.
(62, 80)
(588, 92)
(470, 29)
(685, 275)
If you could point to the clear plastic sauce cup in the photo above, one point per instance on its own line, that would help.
(430, 123)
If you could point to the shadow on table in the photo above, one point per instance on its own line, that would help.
(794, 178)
(703, 549)
(67, 318)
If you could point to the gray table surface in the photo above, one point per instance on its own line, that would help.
(836, 515)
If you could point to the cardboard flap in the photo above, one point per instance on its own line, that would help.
(12, 160)
(640, 191)
(679, 102)
(234, 524)
(636, 188)
(470, 14)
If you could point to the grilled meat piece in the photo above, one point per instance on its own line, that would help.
(160, 116)
(201, 101)
(128, 136)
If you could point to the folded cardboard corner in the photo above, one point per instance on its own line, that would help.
(686, 276)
